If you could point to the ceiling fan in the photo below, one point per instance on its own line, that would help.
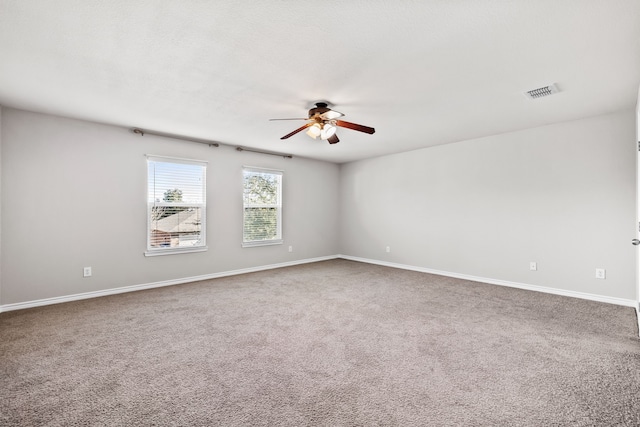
(323, 122)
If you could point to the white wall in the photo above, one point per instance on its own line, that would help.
(74, 195)
(561, 195)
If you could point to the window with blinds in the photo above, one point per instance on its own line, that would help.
(176, 205)
(262, 203)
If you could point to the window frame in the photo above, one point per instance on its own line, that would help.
(279, 239)
(202, 247)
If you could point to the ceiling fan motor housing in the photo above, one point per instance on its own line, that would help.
(321, 107)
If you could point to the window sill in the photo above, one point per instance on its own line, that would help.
(262, 243)
(174, 251)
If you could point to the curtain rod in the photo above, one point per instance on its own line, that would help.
(142, 132)
(286, 156)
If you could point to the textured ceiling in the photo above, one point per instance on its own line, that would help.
(422, 73)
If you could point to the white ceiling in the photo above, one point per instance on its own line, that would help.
(422, 73)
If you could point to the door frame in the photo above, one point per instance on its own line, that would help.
(637, 142)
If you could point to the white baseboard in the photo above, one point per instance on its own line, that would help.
(95, 294)
(548, 290)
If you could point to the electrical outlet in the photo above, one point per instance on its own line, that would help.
(388, 249)
(533, 266)
(86, 272)
(290, 248)
(601, 273)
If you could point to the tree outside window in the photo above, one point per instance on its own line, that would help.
(262, 199)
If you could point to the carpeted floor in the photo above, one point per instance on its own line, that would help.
(335, 343)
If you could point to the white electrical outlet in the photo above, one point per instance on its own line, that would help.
(86, 272)
(290, 248)
(388, 249)
(533, 266)
(601, 273)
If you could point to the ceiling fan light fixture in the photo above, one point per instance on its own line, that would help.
(331, 115)
(328, 130)
(314, 131)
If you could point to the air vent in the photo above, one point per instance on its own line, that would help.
(542, 92)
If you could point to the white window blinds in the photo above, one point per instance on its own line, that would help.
(176, 205)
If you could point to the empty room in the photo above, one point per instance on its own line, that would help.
(326, 213)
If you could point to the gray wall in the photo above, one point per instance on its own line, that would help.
(561, 195)
(74, 195)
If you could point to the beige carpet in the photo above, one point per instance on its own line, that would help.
(336, 343)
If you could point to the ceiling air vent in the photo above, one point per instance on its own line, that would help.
(542, 92)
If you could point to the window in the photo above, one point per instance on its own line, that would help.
(176, 206)
(262, 200)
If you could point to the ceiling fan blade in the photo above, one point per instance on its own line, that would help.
(271, 120)
(331, 115)
(300, 129)
(349, 125)
(333, 139)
